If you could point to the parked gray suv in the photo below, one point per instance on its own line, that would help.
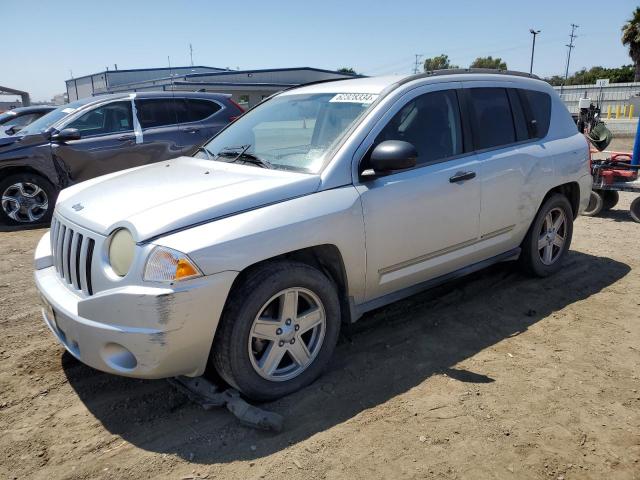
(318, 205)
(99, 135)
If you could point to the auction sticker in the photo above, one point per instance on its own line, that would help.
(354, 98)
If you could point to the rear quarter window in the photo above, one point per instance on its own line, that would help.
(537, 107)
(200, 109)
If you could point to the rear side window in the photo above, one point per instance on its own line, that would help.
(431, 123)
(157, 112)
(493, 121)
(200, 109)
(537, 107)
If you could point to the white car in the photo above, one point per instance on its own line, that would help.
(323, 202)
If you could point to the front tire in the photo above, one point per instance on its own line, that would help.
(549, 237)
(26, 199)
(278, 330)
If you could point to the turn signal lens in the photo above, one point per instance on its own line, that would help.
(169, 265)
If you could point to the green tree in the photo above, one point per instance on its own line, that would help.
(631, 38)
(441, 62)
(621, 74)
(347, 70)
(489, 62)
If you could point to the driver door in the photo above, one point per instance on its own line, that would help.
(421, 223)
(107, 143)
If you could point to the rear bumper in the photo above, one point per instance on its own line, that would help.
(137, 331)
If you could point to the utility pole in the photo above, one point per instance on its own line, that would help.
(570, 46)
(415, 67)
(533, 47)
(191, 53)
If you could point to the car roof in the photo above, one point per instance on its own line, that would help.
(377, 85)
(33, 108)
(157, 94)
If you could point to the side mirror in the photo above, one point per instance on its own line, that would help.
(66, 134)
(12, 130)
(393, 155)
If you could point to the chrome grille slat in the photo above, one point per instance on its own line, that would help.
(72, 260)
(66, 247)
(72, 255)
(60, 238)
(83, 267)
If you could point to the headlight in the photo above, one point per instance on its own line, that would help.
(121, 250)
(168, 265)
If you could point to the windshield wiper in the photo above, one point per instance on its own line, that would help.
(241, 153)
(208, 153)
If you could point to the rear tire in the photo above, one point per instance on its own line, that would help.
(267, 347)
(609, 199)
(548, 238)
(26, 199)
(596, 203)
(634, 209)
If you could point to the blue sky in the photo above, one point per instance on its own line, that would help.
(373, 37)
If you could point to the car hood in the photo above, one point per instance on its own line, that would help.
(166, 196)
(10, 143)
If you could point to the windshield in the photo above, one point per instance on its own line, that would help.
(293, 132)
(52, 117)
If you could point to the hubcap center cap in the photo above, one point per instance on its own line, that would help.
(288, 332)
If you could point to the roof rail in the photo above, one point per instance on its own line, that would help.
(458, 71)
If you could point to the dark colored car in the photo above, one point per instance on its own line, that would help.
(12, 121)
(99, 135)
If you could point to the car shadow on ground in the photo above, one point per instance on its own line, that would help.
(18, 228)
(387, 353)
(618, 215)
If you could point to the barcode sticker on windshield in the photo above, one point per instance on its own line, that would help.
(354, 98)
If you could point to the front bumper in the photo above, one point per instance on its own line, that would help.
(137, 331)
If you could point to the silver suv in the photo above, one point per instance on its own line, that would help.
(323, 202)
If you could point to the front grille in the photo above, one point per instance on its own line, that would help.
(72, 255)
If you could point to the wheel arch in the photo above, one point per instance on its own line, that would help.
(325, 257)
(17, 169)
(571, 190)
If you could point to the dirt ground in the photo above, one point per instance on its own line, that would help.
(495, 376)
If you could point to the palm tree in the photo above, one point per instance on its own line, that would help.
(631, 38)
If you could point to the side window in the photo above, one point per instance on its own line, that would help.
(111, 118)
(22, 120)
(157, 112)
(492, 120)
(431, 123)
(537, 107)
(200, 109)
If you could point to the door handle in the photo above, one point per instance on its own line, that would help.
(461, 176)
(124, 138)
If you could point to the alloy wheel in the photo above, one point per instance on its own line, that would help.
(287, 334)
(552, 236)
(25, 202)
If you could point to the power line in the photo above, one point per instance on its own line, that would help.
(415, 67)
(570, 46)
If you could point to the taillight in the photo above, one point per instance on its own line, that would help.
(239, 107)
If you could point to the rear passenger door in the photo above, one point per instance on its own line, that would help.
(203, 120)
(512, 163)
(159, 119)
